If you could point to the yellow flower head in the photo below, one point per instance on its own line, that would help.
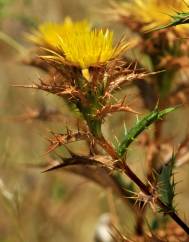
(49, 33)
(77, 44)
(154, 13)
(89, 48)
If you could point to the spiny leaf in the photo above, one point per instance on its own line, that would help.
(100, 161)
(166, 184)
(141, 126)
(178, 19)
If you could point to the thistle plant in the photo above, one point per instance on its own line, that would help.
(165, 49)
(87, 70)
(162, 50)
(149, 14)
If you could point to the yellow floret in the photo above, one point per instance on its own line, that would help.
(89, 48)
(49, 33)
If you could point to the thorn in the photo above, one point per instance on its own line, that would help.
(124, 99)
(68, 131)
(137, 118)
(34, 86)
(125, 129)
(135, 66)
(157, 105)
(53, 168)
(117, 140)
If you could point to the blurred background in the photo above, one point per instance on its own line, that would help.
(57, 206)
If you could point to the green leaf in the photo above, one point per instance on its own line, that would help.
(178, 19)
(166, 184)
(140, 127)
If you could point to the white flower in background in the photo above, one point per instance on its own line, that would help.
(4, 191)
(103, 229)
